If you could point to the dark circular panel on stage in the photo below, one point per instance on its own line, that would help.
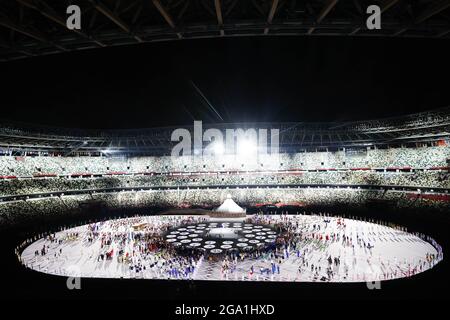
(220, 237)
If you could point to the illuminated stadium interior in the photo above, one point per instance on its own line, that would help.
(224, 151)
(407, 163)
(401, 163)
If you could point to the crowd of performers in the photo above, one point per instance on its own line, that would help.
(304, 240)
(138, 243)
(140, 249)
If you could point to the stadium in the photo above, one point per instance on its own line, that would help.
(64, 186)
(224, 152)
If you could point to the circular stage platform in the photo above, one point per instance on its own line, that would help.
(262, 248)
(222, 237)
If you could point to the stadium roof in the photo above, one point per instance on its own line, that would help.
(294, 136)
(36, 27)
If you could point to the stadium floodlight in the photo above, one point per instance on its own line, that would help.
(218, 147)
(107, 151)
(246, 147)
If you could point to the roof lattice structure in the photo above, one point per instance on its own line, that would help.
(37, 27)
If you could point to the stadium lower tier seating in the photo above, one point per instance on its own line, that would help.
(429, 179)
(14, 212)
(404, 177)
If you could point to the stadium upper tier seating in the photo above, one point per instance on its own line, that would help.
(49, 172)
(308, 178)
(393, 158)
(413, 167)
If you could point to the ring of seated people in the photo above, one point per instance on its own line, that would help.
(425, 167)
(424, 158)
(13, 212)
(414, 168)
(418, 179)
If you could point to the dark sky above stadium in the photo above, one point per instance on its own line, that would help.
(243, 79)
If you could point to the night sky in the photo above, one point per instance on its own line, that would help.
(244, 79)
